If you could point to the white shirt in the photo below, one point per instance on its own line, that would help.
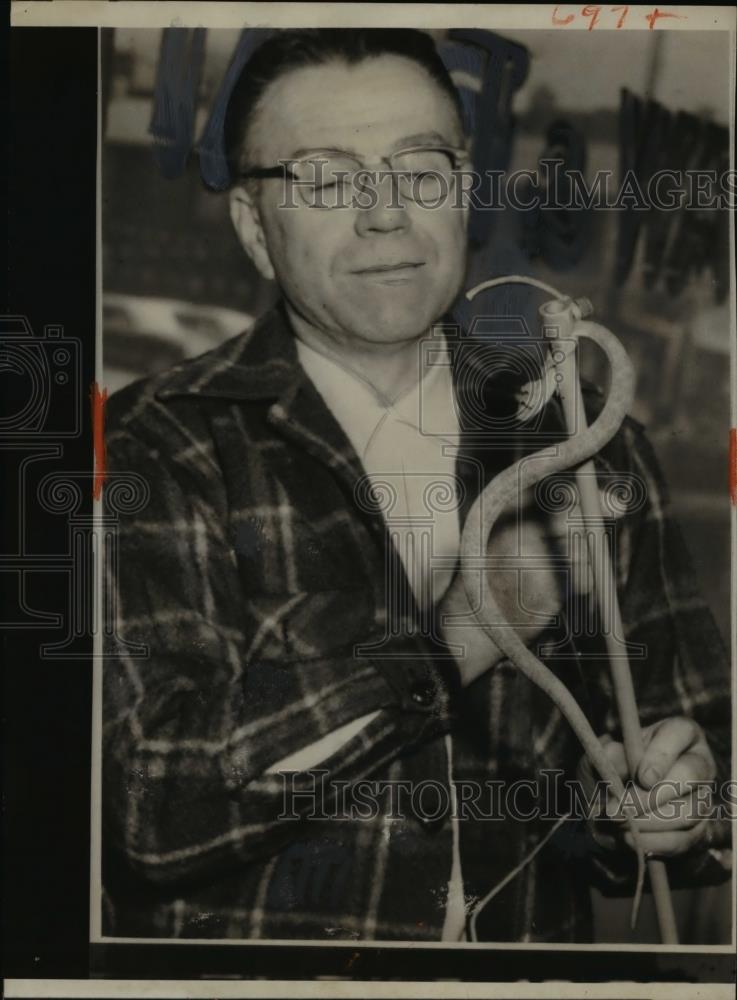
(407, 447)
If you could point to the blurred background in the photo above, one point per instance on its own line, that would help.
(176, 281)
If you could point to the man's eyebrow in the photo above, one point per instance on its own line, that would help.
(417, 139)
(313, 150)
(422, 139)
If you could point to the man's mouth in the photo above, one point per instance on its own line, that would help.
(400, 272)
(379, 268)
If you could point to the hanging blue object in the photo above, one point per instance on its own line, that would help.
(506, 67)
(175, 98)
(211, 147)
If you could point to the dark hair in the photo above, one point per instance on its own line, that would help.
(295, 49)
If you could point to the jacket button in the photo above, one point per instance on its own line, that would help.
(422, 693)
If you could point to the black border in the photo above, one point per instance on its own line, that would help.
(51, 132)
(285, 962)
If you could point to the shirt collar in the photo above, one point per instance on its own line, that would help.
(262, 364)
(428, 406)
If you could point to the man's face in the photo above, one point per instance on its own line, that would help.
(360, 276)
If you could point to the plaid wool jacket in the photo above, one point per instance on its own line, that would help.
(257, 577)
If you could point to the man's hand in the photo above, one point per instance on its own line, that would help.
(674, 820)
(529, 588)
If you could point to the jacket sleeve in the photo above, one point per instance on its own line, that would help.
(193, 728)
(679, 662)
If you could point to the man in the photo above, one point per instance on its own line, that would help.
(302, 638)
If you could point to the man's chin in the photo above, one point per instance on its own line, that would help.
(382, 325)
(391, 332)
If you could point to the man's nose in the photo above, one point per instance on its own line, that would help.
(381, 207)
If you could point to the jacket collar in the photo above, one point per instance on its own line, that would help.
(260, 363)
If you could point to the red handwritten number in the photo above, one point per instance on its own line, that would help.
(561, 20)
(656, 14)
(592, 12)
(624, 10)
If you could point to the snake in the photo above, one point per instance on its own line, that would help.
(505, 489)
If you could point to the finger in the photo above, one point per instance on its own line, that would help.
(664, 794)
(693, 768)
(663, 802)
(666, 741)
(669, 845)
(634, 803)
(615, 752)
(588, 777)
(590, 781)
(676, 815)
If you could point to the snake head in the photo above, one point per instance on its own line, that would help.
(535, 395)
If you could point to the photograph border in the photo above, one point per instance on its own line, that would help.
(239, 15)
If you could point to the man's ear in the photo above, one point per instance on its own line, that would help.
(245, 217)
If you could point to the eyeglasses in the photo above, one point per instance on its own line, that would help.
(329, 178)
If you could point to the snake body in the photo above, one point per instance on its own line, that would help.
(504, 490)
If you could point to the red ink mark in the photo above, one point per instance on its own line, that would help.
(656, 14)
(625, 11)
(593, 12)
(98, 400)
(733, 466)
(561, 20)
